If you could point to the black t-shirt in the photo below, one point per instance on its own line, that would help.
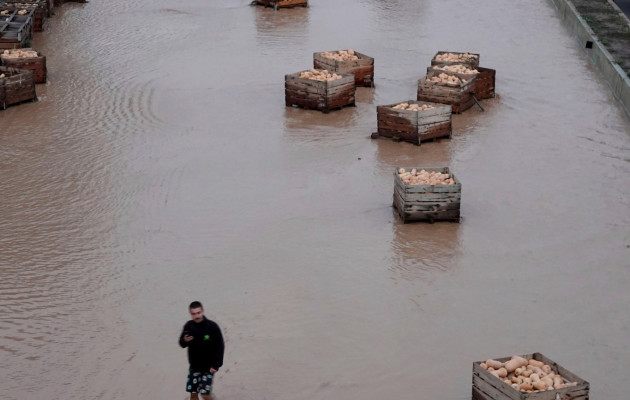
(205, 351)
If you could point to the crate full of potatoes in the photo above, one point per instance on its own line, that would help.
(483, 85)
(447, 88)
(526, 377)
(319, 89)
(427, 194)
(26, 58)
(448, 57)
(413, 121)
(347, 61)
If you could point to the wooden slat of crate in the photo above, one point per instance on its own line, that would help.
(319, 95)
(414, 126)
(472, 62)
(17, 86)
(362, 69)
(427, 202)
(36, 64)
(488, 387)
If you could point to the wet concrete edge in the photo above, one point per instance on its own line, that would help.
(616, 78)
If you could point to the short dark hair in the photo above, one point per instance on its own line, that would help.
(195, 304)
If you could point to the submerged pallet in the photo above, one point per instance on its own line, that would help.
(16, 86)
(427, 202)
(362, 69)
(319, 95)
(36, 64)
(458, 96)
(281, 3)
(486, 386)
(414, 126)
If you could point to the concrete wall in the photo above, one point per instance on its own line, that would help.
(616, 78)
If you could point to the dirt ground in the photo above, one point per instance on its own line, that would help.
(611, 28)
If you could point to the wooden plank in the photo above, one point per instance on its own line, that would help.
(495, 388)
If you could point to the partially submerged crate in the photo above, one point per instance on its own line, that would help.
(15, 30)
(428, 202)
(483, 86)
(282, 3)
(459, 96)
(38, 10)
(413, 126)
(486, 386)
(16, 86)
(362, 69)
(36, 64)
(471, 59)
(319, 95)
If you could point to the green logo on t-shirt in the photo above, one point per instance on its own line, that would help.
(207, 337)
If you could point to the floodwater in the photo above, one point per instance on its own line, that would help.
(161, 166)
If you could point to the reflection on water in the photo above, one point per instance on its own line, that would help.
(285, 25)
(419, 249)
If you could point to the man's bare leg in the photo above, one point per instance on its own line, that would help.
(194, 396)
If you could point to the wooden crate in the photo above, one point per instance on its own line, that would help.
(474, 61)
(15, 31)
(282, 3)
(17, 86)
(486, 386)
(459, 96)
(36, 64)
(427, 202)
(36, 11)
(483, 86)
(413, 126)
(363, 68)
(319, 95)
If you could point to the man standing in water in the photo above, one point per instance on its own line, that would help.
(205, 352)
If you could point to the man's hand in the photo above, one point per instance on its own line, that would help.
(188, 338)
(212, 371)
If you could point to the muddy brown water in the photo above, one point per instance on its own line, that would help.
(161, 166)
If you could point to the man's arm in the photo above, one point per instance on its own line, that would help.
(219, 348)
(185, 338)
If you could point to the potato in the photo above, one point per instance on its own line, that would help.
(493, 363)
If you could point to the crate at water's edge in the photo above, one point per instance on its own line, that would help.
(427, 202)
(414, 126)
(16, 86)
(362, 69)
(36, 64)
(486, 386)
(319, 95)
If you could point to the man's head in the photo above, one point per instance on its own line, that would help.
(196, 311)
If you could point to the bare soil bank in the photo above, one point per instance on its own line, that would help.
(611, 28)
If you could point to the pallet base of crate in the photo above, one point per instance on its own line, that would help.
(362, 69)
(486, 386)
(35, 64)
(16, 87)
(414, 126)
(427, 202)
(319, 95)
(281, 3)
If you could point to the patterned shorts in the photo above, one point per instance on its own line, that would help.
(199, 382)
